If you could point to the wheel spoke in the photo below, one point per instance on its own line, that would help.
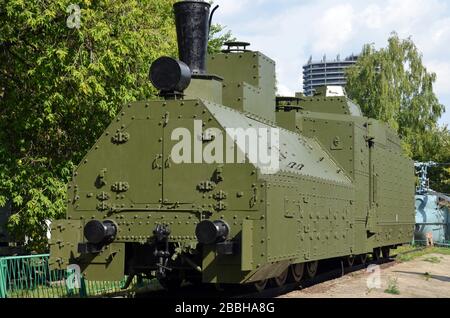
(350, 260)
(261, 285)
(296, 272)
(311, 269)
(281, 280)
(362, 259)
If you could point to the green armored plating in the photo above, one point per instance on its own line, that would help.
(220, 181)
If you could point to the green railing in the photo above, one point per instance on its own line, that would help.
(31, 277)
(424, 243)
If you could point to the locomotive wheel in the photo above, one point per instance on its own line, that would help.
(296, 272)
(170, 283)
(280, 280)
(261, 285)
(385, 251)
(362, 259)
(311, 269)
(350, 260)
(376, 254)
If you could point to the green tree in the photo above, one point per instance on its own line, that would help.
(64, 74)
(393, 85)
(440, 176)
(218, 36)
(61, 84)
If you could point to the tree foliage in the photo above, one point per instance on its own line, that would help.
(61, 86)
(217, 38)
(440, 176)
(61, 83)
(393, 85)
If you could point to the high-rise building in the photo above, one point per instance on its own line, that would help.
(323, 73)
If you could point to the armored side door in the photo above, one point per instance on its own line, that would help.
(123, 169)
(142, 166)
(376, 139)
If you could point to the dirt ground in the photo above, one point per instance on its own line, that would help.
(427, 276)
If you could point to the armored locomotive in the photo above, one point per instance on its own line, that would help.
(141, 204)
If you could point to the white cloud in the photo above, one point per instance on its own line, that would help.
(334, 28)
(289, 31)
(284, 91)
(372, 17)
(232, 7)
(442, 70)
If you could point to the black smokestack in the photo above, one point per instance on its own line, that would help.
(193, 21)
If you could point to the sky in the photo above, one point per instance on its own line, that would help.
(290, 31)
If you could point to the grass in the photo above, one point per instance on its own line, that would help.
(93, 289)
(408, 253)
(433, 259)
(392, 287)
(61, 291)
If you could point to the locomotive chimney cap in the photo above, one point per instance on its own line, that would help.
(236, 46)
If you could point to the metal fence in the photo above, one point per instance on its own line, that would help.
(424, 243)
(31, 277)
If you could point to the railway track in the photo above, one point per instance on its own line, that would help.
(325, 273)
(328, 270)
